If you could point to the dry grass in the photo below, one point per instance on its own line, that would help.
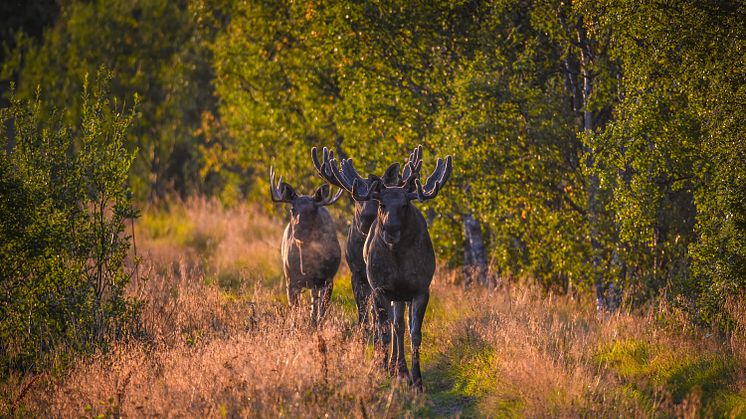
(218, 340)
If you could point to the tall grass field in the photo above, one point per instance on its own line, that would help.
(217, 339)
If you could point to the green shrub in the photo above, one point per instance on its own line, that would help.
(64, 204)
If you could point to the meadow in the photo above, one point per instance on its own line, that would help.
(217, 339)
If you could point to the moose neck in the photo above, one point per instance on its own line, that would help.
(357, 220)
(315, 233)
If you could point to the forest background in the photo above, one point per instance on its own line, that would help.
(598, 146)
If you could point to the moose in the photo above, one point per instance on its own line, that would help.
(310, 250)
(398, 252)
(363, 215)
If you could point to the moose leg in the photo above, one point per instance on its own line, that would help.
(326, 298)
(362, 291)
(416, 316)
(315, 304)
(381, 307)
(398, 342)
(293, 295)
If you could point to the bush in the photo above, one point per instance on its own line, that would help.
(64, 204)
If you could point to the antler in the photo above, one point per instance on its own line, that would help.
(322, 167)
(412, 168)
(361, 189)
(280, 192)
(436, 180)
(326, 196)
(347, 178)
(413, 164)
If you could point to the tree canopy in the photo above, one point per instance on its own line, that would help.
(598, 146)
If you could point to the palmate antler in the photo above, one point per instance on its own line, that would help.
(434, 182)
(347, 177)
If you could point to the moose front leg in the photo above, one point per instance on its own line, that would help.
(397, 347)
(362, 291)
(293, 294)
(315, 304)
(325, 299)
(381, 307)
(416, 316)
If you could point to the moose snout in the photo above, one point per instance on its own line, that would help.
(391, 237)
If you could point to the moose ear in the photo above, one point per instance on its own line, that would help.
(391, 176)
(321, 193)
(287, 192)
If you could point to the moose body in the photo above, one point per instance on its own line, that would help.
(310, 250)
(403, 271)
(312, 262)
(364, 215)
(398, 252)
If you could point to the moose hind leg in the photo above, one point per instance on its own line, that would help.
(398, 341)
(416, 317)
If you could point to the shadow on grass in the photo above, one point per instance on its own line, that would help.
(462, 378)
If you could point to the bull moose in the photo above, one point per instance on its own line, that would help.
(364, 214)
(398, 252)
(310, 250)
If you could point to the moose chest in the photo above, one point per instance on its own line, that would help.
(310, 262)
(401, 272)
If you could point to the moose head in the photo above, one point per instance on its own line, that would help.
(304, 209)
(393, 196)
(366, 211)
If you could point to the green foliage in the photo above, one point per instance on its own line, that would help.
(154, 48)
(64, 209)
(598, 143)
(674, 155)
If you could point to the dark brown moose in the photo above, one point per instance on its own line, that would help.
(398, 252)
(363, 216)
(310, 250)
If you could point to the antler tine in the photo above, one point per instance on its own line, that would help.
(273, 190)
(323, 167)
(330, 199)
(437, 179)
(412, 166)
(440, 174)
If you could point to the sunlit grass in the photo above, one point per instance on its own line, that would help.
(217, 338)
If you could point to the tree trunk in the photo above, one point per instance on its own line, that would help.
(475, 254)
(606, 294)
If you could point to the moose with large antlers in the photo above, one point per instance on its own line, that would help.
(364, 214)
(310, 250)
(398, 252)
